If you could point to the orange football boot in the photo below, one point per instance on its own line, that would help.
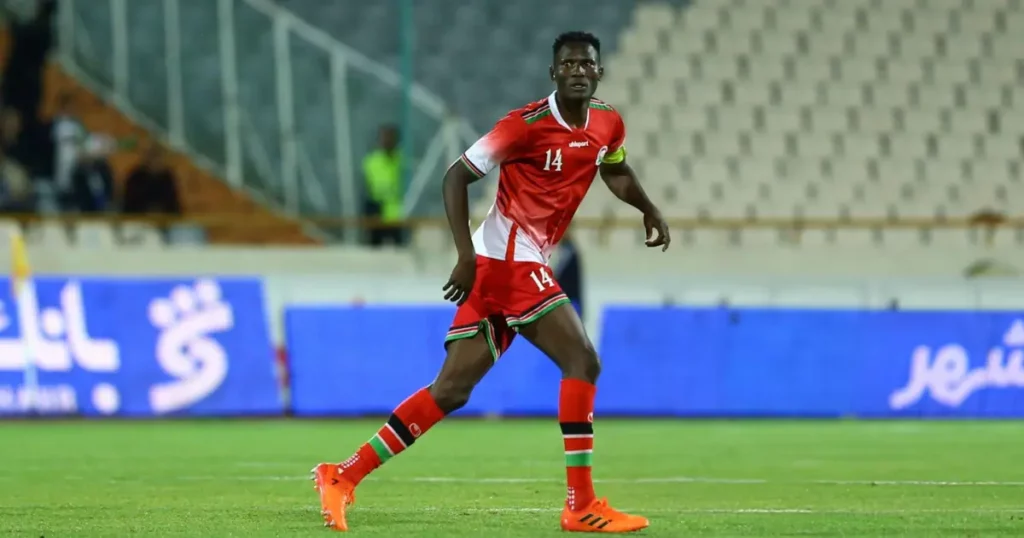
(336, 493)
(599, 517)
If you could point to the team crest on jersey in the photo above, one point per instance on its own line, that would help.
(601, 154)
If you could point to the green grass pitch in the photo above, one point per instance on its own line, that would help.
(504, 478)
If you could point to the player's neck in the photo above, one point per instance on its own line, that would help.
(573, 111)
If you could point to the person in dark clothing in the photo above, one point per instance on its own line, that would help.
(150, 188)
(569, 272)
(23, 75)
(27, 142)
(382, 173)
(92, 182)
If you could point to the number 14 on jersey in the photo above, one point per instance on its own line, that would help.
(542, 279)
(556, 162)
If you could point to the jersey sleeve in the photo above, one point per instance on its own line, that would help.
(502, 143)
(617, 149)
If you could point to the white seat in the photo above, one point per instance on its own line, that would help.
(799, 95)
(841, 95)
(94, 235)
(780, 121)
(968, 122)
(901, 72)
(702, 93)
(638, 41)
(905, 145)
(689, 119)
(984, 97)
(765, 146)
(916, 46)
(671, 66)
(861, 145)
(922, 122)
(948, 72)
(812, 145)
(49, 234)
(658, 94)
(932, 97)
(943, 171)
(777, 45)
(624, 67)
(720, 145)
(963, 48)
(899, 169)
(655, 16)
(1002, 147)
(876, 121)
(710, 171)
(830, 120)
(808, 71)
(140, 235)
(890, 95)
(741, 119)
(720, 69)
(849, 170)
(751, 94)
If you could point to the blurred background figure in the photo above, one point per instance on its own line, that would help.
(92, 180)
(68, 135)
(382, 174)
(15, 187)
(30, 41)
(151, 187)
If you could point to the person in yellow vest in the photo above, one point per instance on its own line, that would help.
(382, 172)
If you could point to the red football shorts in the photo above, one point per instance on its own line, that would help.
(505, 296)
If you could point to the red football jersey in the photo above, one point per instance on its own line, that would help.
(546, 168)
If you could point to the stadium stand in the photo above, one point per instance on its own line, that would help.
(739, 111)
(824, 109)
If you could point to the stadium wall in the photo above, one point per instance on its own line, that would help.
(170, 338)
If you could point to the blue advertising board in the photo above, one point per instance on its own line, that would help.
(675, 361)
(137, 347)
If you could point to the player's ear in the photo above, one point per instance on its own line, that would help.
(600, 72)
(551, 72)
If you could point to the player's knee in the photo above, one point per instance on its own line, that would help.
(586, 365)
(450, 395)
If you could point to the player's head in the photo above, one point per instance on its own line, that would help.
(387, 138)
(576, 66)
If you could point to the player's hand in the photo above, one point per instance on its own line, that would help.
(654, 222)
(461, 282)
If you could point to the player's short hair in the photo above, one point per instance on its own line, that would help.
(576, 37)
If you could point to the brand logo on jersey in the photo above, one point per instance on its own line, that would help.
(582, 144)
(601, 154)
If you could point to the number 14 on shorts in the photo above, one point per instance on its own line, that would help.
(542, 279)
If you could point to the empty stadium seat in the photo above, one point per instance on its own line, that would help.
(871, 109)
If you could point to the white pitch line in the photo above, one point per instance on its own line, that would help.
(755, 511)
(655, 480)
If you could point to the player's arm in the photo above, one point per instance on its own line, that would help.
(487, 153)
(455, 191)
(621, 179)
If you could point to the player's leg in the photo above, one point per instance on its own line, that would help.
(560, 334)
(472, 345)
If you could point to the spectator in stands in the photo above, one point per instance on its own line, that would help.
(26, 142)
(15, 187)
(67, 136)
(382, 173)
(150, 188)
(568, 271)
(92, 181)
(23, 75)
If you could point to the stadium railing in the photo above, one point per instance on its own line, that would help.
(301, 169)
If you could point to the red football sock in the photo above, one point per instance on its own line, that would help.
(576, 417)
(411, 419)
